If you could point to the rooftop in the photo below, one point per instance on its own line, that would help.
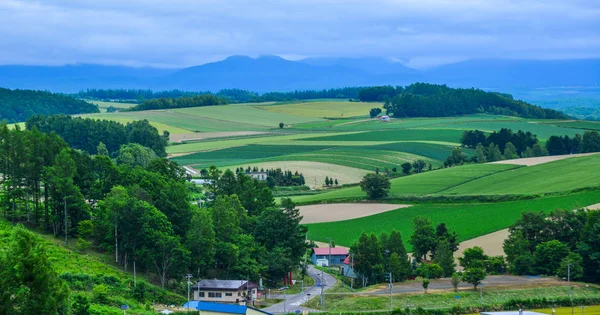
(223, 284)
(334, 251)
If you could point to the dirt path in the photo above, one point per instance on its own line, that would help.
(343, 211)
(593, 207)
(492, 244)
(541, 159)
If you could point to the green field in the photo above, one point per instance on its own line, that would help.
(103, 106)
(468, 219)
(563, 175)
(442, 135)
(324, 109)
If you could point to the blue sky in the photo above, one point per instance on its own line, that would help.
(179, 33)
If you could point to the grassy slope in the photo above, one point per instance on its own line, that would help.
(442, 135)
(468, 219)
(563, 175)
(68, 261)
(324, 109)
(419, 184)
(245, 114)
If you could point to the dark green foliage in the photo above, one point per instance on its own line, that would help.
(548, 256)
(474, 276)
(281, 125)
(81, 305)
(575, 270)
(423, 239)
(473, 258)
(375, 185)
(183, 102)
(374, 112)
(430, 271)
(589, 142)
(19, 105)
(87, 134)
(520, 140)
(430, 100)
(277, 176)
(445, 259)
(28, 284)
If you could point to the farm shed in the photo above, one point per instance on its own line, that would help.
(320, 256)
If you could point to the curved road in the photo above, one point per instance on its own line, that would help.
(293, 302)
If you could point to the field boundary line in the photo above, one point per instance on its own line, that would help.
(476, 178)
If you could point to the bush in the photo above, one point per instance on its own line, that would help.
(100, 293)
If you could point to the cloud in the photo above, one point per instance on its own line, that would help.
(187, 32)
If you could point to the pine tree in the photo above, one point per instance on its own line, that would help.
(444, 258)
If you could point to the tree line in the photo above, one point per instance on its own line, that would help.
(548, 244)
(87, 134)
(276, 176)
(19, 105)
(432, 100)
(142, 211)
(182, 102)
(231, 95)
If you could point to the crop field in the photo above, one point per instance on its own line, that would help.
(468, 219)
(441, 135)
(428, 183)
(103, 106)
(543, 131)
(563, 175)
(324, 109)
(591, 125)
(246, 114)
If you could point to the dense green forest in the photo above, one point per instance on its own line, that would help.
(144, 213)
(87, 134)
(232, 95)
(183, 102)
(18, 105)
(431, 100)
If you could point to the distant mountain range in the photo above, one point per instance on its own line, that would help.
(272, 73)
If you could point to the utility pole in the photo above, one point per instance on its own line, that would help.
(189, 276)
(481, 295)
(66, 231)
(352, 278)
(390, 275)
(321, 285)
(569, 282)
(329, 262)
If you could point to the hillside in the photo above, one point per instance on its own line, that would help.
(91, 274)
(18, 105)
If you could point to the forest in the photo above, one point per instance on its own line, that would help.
(232, 95)
(183, 102)
(431, 100)
(143, 213)
(18, 105)
(87, 134)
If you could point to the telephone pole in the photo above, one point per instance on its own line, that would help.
(66, 231)
(329, 261)
(189, 276)
(390, 275)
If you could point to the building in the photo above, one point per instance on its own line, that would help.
(519, 312)
(207, 308)
(258, 175)
(320, 256)
(201, 181)
(225, 291)
(347, 268)
(385, 118)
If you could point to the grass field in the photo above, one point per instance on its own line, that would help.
(103, 106)
(543, 131)
(346, 302)
(433, 182)
(469, 220)
(324, 109)
(246, 114)
(442, 135)
(555, 176)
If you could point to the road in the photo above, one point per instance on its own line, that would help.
(293, 302)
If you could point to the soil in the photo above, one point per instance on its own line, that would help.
(343, 211)
(541, 159)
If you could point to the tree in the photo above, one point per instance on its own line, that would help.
(589, 247)
(374, 112)
(539, 150)
(102, 150)
(510, 152)
(406, 168)
(281, 125)
(444, 258)
(395, 245)
(548, 256)
(493, 153)
(376, 186)
(430, 271)
(327, 181)
(473, 257)
(200, 240)
(134, 154)
(495, 265)
(591, 141)
(423, 239)
(474, 276)
(455, 281)
(28, 283)
(443, 234)
(480, 153)
(425, 284)
(575, 270)
(336, 182)
(419, 165)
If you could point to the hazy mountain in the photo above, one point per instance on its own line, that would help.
(272, 73)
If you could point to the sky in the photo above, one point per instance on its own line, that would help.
(180, 33)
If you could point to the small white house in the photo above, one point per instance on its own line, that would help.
(384, 118)
(258, 175)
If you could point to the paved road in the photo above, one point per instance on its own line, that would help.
(292, 303)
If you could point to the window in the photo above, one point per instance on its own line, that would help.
(201, 294)
(228, 294)
(215, 295)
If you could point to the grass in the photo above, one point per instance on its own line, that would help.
(103, 106)
(94, 264)
(543, 131)
(562, 175)
(442, 135)
(246, 114)
(470, 220)
(434, 300)
(324, 109)
(427, 183)
(588, 125)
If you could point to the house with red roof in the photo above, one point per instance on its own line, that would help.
(348, 267)
(326, 256)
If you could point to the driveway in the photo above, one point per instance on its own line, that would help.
(293, 302)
